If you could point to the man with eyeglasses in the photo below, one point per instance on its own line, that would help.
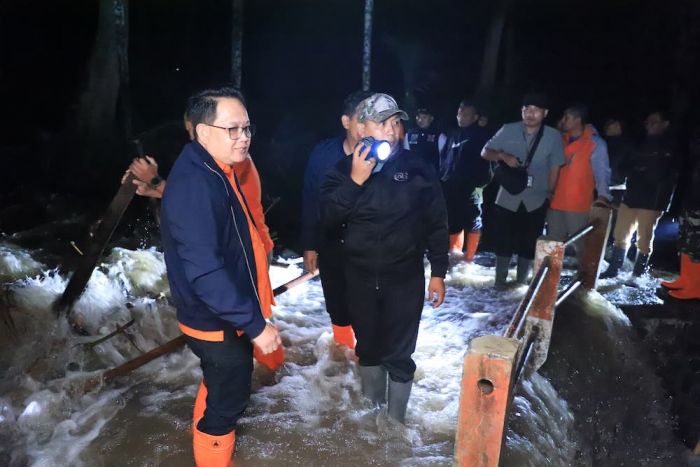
(217, 268)
(520, 216)
(149, 183)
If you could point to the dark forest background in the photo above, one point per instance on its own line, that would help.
(81, 79)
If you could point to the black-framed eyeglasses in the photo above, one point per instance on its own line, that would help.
(236, 132)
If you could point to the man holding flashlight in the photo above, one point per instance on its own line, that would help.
(390, 212)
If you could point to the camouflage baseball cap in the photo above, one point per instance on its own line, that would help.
(378, 107)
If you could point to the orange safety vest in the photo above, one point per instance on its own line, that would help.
(576, 185)
(275, 359)
(249, 179)
(263, 278)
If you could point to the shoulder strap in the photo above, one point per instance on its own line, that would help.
(533, 148)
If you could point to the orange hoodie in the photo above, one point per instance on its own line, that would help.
(576, 184)
(249, 178)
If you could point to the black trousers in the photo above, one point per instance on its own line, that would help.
(462, 212)
(385, 311)
(330, 268)
(517, 232)
(464, 216)
(227, 368)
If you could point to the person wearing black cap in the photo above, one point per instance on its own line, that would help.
(390, 213)
(463, 174)
(424, 139)
(520, 212)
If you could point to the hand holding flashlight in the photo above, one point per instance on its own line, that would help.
(362, 164)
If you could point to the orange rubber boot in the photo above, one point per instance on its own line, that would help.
(691, 291)
(200, 403)
(213, 451)
(457, 242)
(273, 360)
(682, 279)
(344, 335)
(472, 244)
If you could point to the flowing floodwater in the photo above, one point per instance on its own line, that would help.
(309, 414)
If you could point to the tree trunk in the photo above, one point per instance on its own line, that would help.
(510, 58)
(107, 75)
(489, 64)
(121, 19)
(687, 48)
(367, 45)
(237, 43)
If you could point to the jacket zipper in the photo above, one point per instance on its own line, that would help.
(235, 223)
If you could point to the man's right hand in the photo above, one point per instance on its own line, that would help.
(145, 189)
(509, 159)
(361, 166)
(144, 168)
(310, 260)
(268, 341)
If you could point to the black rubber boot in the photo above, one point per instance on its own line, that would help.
(618, 257)
(398, 399)
(373, 380)
(523, 271)
(641, 265)
(502, 264)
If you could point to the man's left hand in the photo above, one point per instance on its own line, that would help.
(436, 291)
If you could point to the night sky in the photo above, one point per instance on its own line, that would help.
(301, 57)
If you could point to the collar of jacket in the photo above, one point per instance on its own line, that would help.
(203, 155)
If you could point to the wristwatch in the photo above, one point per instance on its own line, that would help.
(155, 181)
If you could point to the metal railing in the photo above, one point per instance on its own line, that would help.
(499, 361)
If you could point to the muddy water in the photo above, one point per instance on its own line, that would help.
(310, 413)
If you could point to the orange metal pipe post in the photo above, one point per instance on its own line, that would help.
(541, 313)
(487, 383)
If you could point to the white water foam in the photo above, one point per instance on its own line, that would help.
(310, 413)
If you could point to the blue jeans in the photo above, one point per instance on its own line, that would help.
(227, 368)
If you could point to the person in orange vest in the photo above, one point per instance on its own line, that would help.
(217, 268)
(586, 171)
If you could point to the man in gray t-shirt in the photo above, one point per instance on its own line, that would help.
(520, 217)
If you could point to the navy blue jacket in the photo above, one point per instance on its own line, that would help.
(208, 252)
(323, 158)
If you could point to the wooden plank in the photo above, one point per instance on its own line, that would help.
(176, 343)
(95, 246)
